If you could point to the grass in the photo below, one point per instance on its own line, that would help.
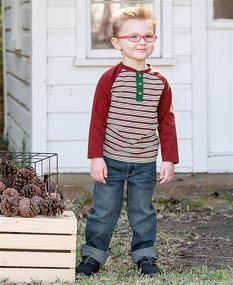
(119, 269)
(126, 275)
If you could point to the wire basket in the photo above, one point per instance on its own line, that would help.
(45, 164)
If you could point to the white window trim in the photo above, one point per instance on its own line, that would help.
(85, 57)
(217, 24)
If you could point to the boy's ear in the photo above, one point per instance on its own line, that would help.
(115, 43)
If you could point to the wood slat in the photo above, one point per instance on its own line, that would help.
(37, 259)
(19, 113)
(61, 14)
(19, 90)
(26, 43)
(61, 42)
(27, 274)
(65, 224)
(67, 151)
(19, 66)
(68, 122)
(38, 242)
(70, 98)
(26, 15)
(17, 135)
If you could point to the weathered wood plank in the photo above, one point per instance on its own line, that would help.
(7, 3)
(8, 18)
(65, 224)
(19, 90)
(19, 114)
(20, 66)
(26, 15)
(17, 135)
(28, 274)
(25, 45)
(37, 259)
(36, 241)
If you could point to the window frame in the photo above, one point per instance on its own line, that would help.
(217, 23)
(84, 56)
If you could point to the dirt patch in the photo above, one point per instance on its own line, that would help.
(199, 238)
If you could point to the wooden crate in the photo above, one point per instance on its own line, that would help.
(39, 248)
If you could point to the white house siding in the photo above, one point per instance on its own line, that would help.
(71, 88)
(220, 96)
(180, 78)
(17, 72)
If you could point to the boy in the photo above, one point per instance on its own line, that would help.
(132, 102)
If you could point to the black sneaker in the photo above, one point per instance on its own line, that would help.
(147, 266)
(88, 266)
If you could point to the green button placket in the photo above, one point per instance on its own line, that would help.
(139, 86)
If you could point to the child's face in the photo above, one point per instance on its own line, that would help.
(135, 52)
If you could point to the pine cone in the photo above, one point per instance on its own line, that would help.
(37, 200)
(40, 183)
(30, 168)
(28, 208)
(2, 187)
(10, 192)
(52, 205)
(9, 181)
(8, 169)
(9, 206)
(30, 190)
(22, 178)
(0, 203)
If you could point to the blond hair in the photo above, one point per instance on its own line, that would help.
(135, 12)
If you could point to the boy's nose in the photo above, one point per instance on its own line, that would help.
(142, 40)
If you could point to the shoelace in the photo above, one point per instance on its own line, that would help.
(89, 259)
(147, 259)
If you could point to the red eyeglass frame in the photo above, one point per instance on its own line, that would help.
(141, 37)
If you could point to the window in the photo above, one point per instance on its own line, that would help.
(94, 29)
(220, 14)
(223, 9)
(100, 23)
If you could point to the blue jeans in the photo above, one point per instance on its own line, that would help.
(107, 202)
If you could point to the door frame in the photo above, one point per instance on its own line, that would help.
(199, 86)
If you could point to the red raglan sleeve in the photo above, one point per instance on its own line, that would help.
(167, 127)
(99, 114)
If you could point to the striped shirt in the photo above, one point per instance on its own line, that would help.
(129, 109)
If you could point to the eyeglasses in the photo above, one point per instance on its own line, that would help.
(137, 37)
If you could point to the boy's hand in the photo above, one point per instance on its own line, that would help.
(99, 170)
(166, 172)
